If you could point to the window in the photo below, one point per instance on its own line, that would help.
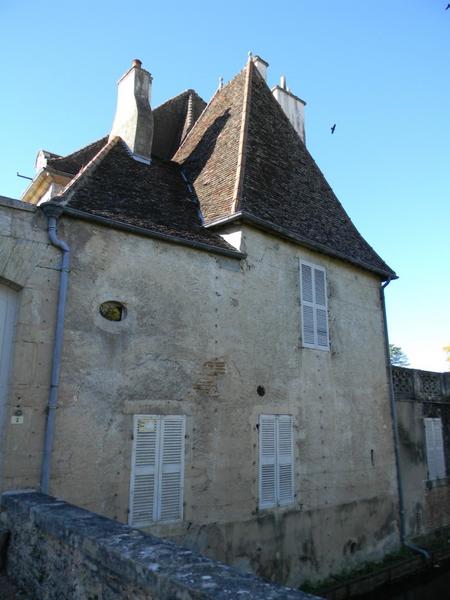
(157, 470)
(276, 468)
(313, 293)
(435, 448)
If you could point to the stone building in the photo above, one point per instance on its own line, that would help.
(222, 379)
(423, 407)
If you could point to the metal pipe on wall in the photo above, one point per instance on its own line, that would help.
(53, 211)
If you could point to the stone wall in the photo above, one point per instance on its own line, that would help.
(421, 394)
(57, 550)
(28, 269)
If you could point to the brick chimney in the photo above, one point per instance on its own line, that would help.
(293, 106)
(133, 121)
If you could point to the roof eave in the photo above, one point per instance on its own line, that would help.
(269, 227)
(85, 216)
(40, 184)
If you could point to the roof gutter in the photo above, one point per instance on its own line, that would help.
(73, 212)
(401, 497)
(53, 211)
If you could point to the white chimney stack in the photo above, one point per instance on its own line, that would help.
(133, 121)
(261, 65)
(293, 106)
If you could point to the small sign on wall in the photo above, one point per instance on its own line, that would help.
(17, 419)
(146, 425)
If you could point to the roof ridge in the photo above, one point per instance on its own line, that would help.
(242, 154)
(183, 93)
(74, 183)
(216, 93)
(188, 121)
(195, 124)
(80, 150)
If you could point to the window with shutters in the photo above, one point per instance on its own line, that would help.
(435, 448)
(314, 317)
(276, 464)
(157, 470)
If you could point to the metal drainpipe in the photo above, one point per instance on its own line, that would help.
(53, 211)
(401, 499)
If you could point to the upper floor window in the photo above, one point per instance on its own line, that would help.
(435, 448)
(157, 470)
(313, 294)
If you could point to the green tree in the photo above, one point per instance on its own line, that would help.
(397, 356)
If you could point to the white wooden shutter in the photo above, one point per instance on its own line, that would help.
(320, 297)
(308, 324)
(285, 491)
(429, 439)
(267, 461)
(314, 306)
(8, 301)
(435, 448)
(170, 497)
(143, 470)
(439, 446)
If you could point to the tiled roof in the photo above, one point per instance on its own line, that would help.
(120, 190)
(171, 120)
(72, 163)
(210, 152)
(244, 156)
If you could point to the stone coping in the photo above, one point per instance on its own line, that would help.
(158, 567)
(18, 204)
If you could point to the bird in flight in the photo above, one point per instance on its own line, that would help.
(447, 7)
(333, 128)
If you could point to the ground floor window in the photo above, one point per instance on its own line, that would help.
(435, 448)
(276, 463)
(157, 469)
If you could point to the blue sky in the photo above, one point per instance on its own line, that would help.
(379, 70)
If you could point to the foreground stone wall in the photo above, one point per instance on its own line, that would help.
(57, 551)
(420, 394)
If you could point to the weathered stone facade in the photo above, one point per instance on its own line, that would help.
(28, 269)
(202, 332)
(420, 395)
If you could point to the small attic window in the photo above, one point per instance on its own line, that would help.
(112, 310)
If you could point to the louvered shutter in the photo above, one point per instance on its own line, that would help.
(170, 497)
(314, 306)
(439, 446)
(320, 298)
(267, 461)
(285, 491)
(429, 440)
(143, 474)
(308, 324)
(435, 448)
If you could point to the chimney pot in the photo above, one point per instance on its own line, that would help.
(293, 106)
(261, 65)
(137, 63)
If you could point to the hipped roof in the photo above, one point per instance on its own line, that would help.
(244, 158)
(152, 199)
